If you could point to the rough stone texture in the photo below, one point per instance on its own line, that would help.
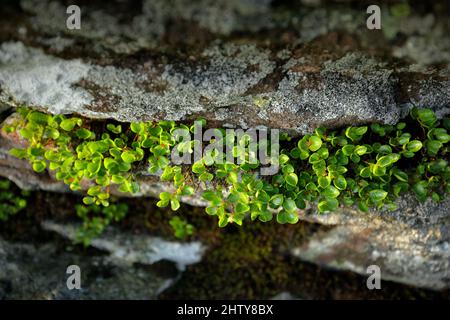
(129, 249)
(411, 245)
(242, 63)
(124, 266)
(29, 271)
(236, 63)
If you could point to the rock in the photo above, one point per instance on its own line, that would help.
(297, 77)
(128, 248)
(117, 266)
(284, 296)
(38, 271)
(410, 245)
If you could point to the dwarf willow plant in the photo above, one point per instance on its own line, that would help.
(96, 219)
(367, 166)
(10, 202)
(181, 228)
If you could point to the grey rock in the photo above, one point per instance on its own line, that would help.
(38, 271)
(284, 296)
(410, 245)
(122, 266)
(130, 248)
(41, 80)
(178, 60)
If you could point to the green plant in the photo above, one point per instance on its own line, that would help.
(96, 219)
(10, 202)
(366, 166)
(181, 228)
(400, 10)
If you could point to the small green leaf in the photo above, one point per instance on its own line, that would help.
(348, 149)
(365, 172)
(437, 166)
(223, 221)
(114, 129)
(51, 133)
(38, 117)
(289, 205)
(277, 200)
(400, 175)
(291, 217)
(206, 176)
(291, 179)
(426, 117)
(94, 190)
(39, 165)
(360, 150)
(137, 127)
(340, 182)
(387, 160)
(88, 200)
(162, 204)
(420, 189)
(174, 204)
(281, 217)
(377, 195)
(128, 156)
(265, 216)
(355, 133)
(362, 205)
(68, 124)
(330, 192)
(314, 143)
(84, 133)
(242, 207)
(433, 147)
(414, 146)
(283, 159)
(198, 167)
(324, 181)
(328, 205)
(117, 179)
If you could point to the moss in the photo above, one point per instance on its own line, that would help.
(246, 263)
(253, 262)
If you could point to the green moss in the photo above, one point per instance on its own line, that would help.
(246, 264)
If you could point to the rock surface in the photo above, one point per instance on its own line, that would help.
(236, 63)
(410, 245)
(124, 266)
(29, 271)
(129, 249)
